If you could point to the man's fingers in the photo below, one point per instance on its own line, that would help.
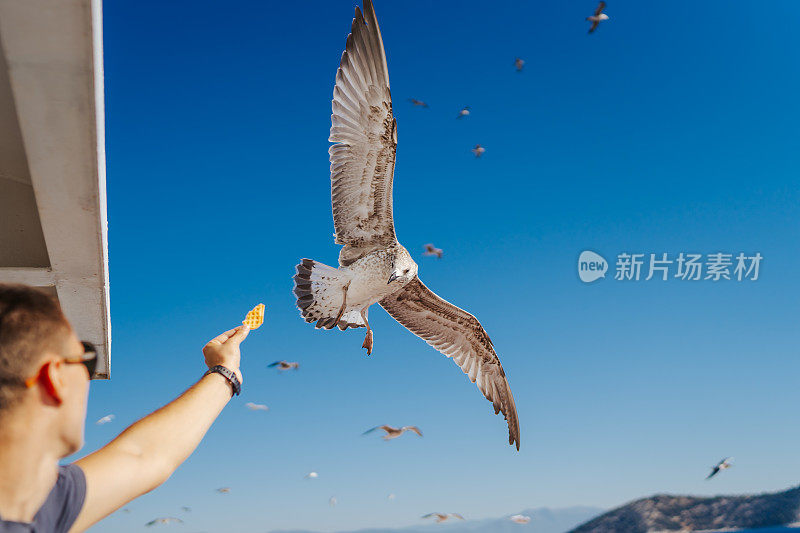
(241, 334)
(222, 337)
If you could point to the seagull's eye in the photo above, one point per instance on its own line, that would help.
(405, 271)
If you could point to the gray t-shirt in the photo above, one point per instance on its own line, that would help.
(60, 509)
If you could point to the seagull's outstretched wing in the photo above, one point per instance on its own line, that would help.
(276, 363)
(600, 7)
(714, 471)
(459, 335)
(372, 429)
(415, 429)
(365, 133)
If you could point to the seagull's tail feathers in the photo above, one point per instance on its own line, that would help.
(320, 291)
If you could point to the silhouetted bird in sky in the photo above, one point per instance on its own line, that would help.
(164, 521)
(442, 517)
(418, 103)
(393, 433)
(598, 16)
(431, 250)
(519, 63)
(722, 465)
(105, 420)
(284, 365)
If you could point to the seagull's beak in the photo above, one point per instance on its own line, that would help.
(393, 277)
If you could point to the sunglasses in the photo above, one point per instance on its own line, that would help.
(88, 359)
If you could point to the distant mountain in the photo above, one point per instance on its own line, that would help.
(543, 520)
(687, 513)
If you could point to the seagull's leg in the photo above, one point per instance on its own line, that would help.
(368, 339)
(344, 303)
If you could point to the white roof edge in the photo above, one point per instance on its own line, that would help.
(54, 54)
(100, 135)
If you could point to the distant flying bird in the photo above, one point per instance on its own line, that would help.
(519, 63)
(598, 16)
(520, 519)
(722, 465)
(256, 406)
(224, 490)
(418, 103)
(441, 517)
(333, 501)
(284, 365)
(164, 521)
(431, 250)
(393, 433)
(464, 112)
(186, 509)
(373, 266)
(311, 475)
(105, 420)
(478, 150)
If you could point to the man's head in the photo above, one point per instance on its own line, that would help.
(37, 377)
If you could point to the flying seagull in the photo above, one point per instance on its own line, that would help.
(431, 250)
(598, 16)
(284, 365)
(373, 266)
(186, 509)
(464, 112)
(520, 519)
(478, 150)
(519, 63)
(256, 406)
(105, 420)
(442, 517)
(722, 465)
(224, 490)
(311, 475)
(333, 501)
(393, 433)
(164, 521)
(418, 103)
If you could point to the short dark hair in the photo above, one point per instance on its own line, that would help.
(30, 323)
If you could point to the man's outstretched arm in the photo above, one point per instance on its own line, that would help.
(144, 456)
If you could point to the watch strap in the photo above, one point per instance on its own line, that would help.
(236, 385)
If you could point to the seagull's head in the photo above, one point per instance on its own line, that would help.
(404, 269)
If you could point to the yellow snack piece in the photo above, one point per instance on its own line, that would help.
(255, 318)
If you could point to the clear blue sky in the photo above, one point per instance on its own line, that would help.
(673, 128)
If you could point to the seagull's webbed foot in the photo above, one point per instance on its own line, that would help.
(368, 339)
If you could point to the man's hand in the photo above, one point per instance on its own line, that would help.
(224, 349)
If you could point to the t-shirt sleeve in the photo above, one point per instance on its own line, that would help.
(66, 500)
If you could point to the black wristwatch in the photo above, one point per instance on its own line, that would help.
(236, 385)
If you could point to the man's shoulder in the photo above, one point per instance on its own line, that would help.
(65, 501)
(61, 507)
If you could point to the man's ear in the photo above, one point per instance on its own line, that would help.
(51, 381)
